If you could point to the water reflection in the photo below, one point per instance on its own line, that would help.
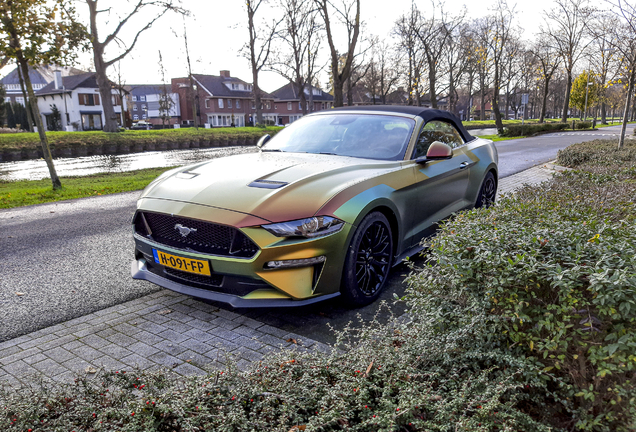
(81, 166)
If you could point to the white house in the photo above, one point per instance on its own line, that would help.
(78, 101)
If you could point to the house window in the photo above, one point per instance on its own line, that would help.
(229, 103)
(238, 103)
(322, 105)
(116, 100)
(269, 105)
(135, 107)
(88, 99)
(289, 106)
(134, 98)
(135, 117)
(91, 122)
(143, 107)
(7, 99)
(235, 86)
(307, 105)
(300, 106)
(316, 92)
(253, 105)
(275, 107)
(143, 116)
(207, 103)
(19, 100)
(220, 103)
(142, 98)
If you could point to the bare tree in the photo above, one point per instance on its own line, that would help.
(603, 56)
(548, 62)
(481, 58)
(350, 17)
(566, 29)
(409, 46)
(434, 34)
(299, 37)
(500, 31)
(625, 44)
(165, 99)
(382, 75)
(258, 50)
(153, 8)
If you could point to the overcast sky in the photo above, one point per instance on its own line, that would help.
(217, 30)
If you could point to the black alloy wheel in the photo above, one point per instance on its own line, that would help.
(488, 191)
(368, 261)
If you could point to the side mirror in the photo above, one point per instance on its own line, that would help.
(437, 151)
(261, 142)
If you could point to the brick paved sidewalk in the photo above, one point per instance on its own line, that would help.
(162, 330)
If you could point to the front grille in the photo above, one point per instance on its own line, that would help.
(201, 236)
(215, 280)
(218, 283)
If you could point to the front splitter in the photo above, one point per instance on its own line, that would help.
(141, 272)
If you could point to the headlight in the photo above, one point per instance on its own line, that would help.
(311, 227)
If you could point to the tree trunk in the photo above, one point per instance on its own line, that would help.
(57, 184)
(26, 101)
(495, 102)
(482, 108)
(628, 101)
(257, 98)
(566, 101)
(431, 79)
(544, 102)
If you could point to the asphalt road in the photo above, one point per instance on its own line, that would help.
(63, 260)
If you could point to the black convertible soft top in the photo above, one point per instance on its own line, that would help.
(427, 114)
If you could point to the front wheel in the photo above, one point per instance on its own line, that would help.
(488, 191)
(368, 260)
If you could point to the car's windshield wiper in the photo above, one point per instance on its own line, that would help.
(271, 150)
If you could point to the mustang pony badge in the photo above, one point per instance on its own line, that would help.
(184, 231)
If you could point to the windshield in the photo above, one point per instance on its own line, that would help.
(358, 135)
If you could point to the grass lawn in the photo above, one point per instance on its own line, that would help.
(496, 138)
(28, 192)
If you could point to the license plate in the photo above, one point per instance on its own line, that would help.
(180, 263)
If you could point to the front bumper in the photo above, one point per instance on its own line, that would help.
(248, 282)
(140, 270)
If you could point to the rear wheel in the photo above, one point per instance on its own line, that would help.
(368, 260)
(488, 191)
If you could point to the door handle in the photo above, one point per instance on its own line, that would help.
(463, 165)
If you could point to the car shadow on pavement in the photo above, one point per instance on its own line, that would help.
(316, 321)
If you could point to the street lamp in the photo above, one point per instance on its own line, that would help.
(587, 90)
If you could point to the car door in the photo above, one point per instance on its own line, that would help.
(439, 187)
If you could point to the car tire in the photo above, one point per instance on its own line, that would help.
(488, 191)
(368, 261)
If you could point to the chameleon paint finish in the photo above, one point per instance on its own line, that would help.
(413, 196)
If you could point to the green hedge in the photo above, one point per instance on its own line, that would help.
(531, 129)
(130, 138)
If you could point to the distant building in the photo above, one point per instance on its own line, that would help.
(145, 103)
(220, 101)
(78, 100)
(287, 105)
(40, 76)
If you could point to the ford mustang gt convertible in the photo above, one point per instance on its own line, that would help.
(325, 208)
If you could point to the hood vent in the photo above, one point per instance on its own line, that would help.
(267, 184)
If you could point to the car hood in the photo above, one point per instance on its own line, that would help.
(308, 182)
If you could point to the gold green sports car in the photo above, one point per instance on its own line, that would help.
(325, 208)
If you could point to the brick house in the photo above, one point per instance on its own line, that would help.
(220, 101)
(287, 104)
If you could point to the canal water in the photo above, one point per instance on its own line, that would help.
(81, 166)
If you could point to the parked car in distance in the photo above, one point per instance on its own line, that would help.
(141, 125)
(323, 209)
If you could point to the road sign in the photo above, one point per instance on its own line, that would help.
(524, 99)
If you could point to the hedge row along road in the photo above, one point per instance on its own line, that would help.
(21, 146)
